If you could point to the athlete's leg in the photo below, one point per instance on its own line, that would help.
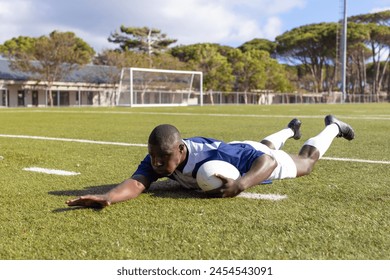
(276, 140)
(315, 147)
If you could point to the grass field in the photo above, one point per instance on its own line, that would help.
(340, 211)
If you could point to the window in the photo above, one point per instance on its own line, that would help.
(35, 98)
(90, 98)
(55, 98)
(3, 99)
(64, 98)
(21, 95)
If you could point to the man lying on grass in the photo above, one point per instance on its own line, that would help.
(169, 155)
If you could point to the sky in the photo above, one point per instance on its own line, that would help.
(225, 22)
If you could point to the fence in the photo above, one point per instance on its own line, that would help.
(220, 98)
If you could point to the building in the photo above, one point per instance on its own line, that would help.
(91, 85)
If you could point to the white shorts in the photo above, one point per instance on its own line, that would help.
(286, 167)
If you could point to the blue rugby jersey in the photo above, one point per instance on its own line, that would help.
(200, 150)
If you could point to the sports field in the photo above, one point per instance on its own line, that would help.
(340, 211)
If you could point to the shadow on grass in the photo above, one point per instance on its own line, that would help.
(75, 193)
(88, 190)
(160, 189)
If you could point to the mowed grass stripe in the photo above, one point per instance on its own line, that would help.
(356, 117)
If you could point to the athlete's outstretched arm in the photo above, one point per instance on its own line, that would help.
(128, 189)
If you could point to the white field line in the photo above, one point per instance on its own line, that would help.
(72, 140)
(262, 196)
(357, 160)
(51, 171)
(144, 145)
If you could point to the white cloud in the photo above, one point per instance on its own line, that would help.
(276, 7)
(273, 27)
(226, 22)
(206, 22)
(14, 11)
(19, 18)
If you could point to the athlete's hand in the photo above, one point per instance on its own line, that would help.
(229, 188)
(91, 201)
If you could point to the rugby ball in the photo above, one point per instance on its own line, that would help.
(206, 178)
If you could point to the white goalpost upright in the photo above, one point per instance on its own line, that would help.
(159, 87)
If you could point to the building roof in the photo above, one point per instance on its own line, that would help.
(96, 74)
(6, 73)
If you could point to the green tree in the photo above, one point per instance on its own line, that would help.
(167, 61)
(18, 48)
(256, 70)
(48, 58)
(277, 77)
(121, 59)
(141, 39)
(379, 18)
(185, 53)
(249, 69)
(259, 44)
(312, 46)
(378, 40)
(217, 71)
(358, 54)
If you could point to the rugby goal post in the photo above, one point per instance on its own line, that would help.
(159, 87)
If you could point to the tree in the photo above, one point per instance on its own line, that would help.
(259, 44)
(121, 59)
(249, 69)
(167, 61)
(141, 39)
(227, 68)
(216, 69)
(48, 58)
(312, 46)
(378, 40)
(379, 18)
(277, 77)
(256, 70)
(18, 48)
(358, 54)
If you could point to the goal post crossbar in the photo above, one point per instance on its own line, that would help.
(164, 70)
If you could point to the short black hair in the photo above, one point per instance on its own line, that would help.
(164, 135)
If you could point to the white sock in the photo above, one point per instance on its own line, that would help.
(280, 137)
(323, 140)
